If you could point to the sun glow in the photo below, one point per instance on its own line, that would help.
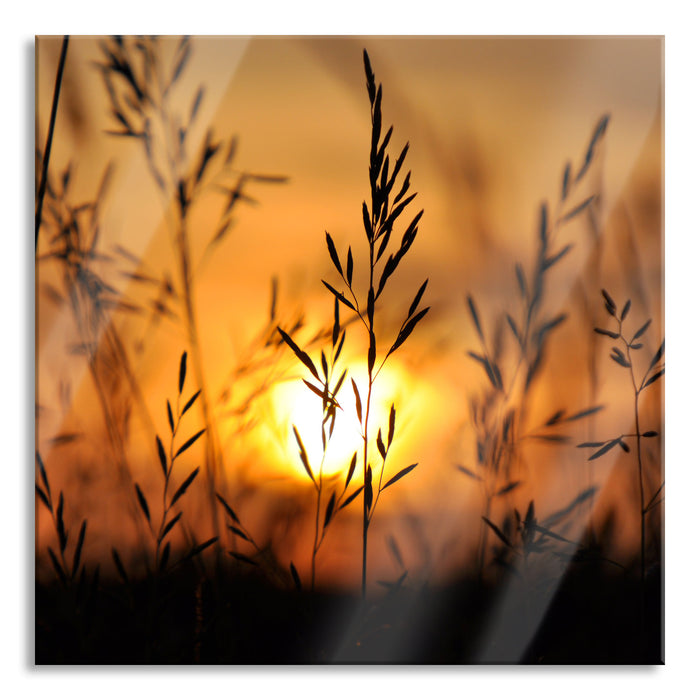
(294, 405)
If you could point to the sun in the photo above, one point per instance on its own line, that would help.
(294, 405)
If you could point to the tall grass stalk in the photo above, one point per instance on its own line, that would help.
(378, 221)
(500, 414)
(49, 140)
(654, 371)
(139, 85)
(144, 99)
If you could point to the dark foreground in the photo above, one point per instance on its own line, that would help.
(192, 618)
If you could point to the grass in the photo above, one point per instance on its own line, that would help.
(500, 413)
(41, 191)
(167, 464)
(386, 206)
(66, 571)
(139, 84)
(626, 358)
(195, 593)
(326, 390)
(86, 274)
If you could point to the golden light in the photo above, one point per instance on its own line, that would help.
(295, 405)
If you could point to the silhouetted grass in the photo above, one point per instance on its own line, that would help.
(41, 191)
(500, 414)
(87, 272)
(326, 390)
(167, 459)
(626, 358)
(77, 590)
(386, 206)
(379, 218)
(139, 82)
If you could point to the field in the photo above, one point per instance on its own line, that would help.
(349, 351)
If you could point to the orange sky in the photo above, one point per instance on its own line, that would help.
(491, 123)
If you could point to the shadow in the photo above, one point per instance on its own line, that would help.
(246, 621)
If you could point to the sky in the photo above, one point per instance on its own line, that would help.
(491, 123)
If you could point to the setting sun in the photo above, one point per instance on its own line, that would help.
(295, 405)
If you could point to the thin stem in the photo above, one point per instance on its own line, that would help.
(379, 490)
(169, 471)
(357, 304)
(640, 468)
(532, 303)
(213, 461)
(327, 414)
(188, 300)
(652, 502)
(317, 544)
(365, 510)
(641, 484)
(49, 140)
(640, 471)
(365, 518)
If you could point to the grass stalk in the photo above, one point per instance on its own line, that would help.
(640, 469)
(653, 373)
(327, 392)
(212, 467)
(317, 544)
(167, 463)
(49, 140)
(500, 413)
(139, 85)
(378, 227)
(367, 473)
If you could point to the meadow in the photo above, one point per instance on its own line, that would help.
(349, 351)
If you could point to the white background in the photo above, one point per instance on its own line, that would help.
(21, 21)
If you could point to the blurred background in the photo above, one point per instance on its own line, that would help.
(491, 123)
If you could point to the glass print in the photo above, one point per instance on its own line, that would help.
(349, 350)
